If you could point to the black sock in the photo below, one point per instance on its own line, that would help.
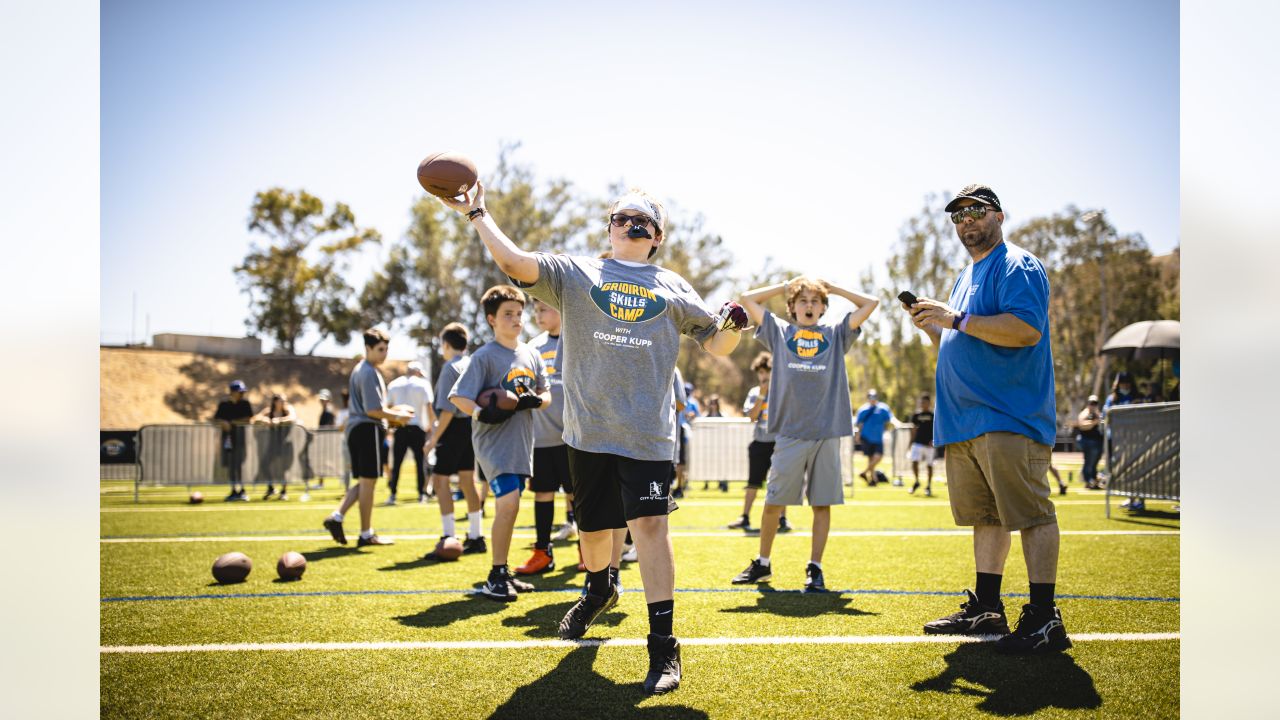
(598, 582)
(544, 512)
(628, 540)
(988, 588)
(568, 516)
(660, 614)
(1042, 594)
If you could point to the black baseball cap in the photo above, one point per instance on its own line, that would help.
(981, 193)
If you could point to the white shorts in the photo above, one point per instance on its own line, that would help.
(920, 453)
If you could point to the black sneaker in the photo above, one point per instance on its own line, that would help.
(242, 496)
(783, 525)
(498, 586)
(754, 573)
(1040, 630)
(234, 496)
(335, 529)
(362, 541)
(742, 523)
(585, 611)
(664, 665)
(813, 579)
(270, 493)
(519, 586)
(471, 546)
(678, 494)
(974, 618)
(915, 487)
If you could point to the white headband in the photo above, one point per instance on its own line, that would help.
(638, 202)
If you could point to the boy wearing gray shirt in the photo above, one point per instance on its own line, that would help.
(623, 318)
(451, 438)
(809, 411)
(503, 439)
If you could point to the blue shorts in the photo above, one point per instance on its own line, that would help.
(870, 449)
(506, 483)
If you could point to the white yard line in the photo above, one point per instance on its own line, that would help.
(525, 536)
(615, 642)
(317, 506)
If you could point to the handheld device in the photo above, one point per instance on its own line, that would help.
(907, 297)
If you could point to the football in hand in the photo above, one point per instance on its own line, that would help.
(506, 399)
(447, 174)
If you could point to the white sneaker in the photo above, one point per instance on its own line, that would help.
(566, 531)
(629, 553)
(390, 501)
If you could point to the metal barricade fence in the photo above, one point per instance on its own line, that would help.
(718, 450)
(899, 448)
(254, 454)
(1143, 451)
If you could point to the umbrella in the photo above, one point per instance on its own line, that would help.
(1146, 340)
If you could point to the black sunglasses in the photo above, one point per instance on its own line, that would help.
(976, 212)
(620, 220)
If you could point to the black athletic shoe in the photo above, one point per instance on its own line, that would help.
(915, 487)
(1040, 630)
(974, 618)
(335, 529)
(520, 586)
(678, 494)
(664, 665)
(584, 612)
(813, 582)
(362, 541)
(783, 525)
(742, 523)
(498, 586)
(471, 546)
(755, 573)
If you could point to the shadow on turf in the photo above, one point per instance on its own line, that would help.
(331, 552)
(794, 604)
(543, 621)
(451, 612)
(574, 689)
(1014, 685)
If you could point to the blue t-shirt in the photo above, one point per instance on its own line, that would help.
(873, 419)
(985, 388)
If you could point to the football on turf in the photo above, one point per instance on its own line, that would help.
(196, 498)
(449, 548)
(291, 565)
(232, 567)
(506, 399)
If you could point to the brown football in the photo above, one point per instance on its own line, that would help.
(449, 548)
(196, 498)
(447, 174)
(291, 565)
(506, 399)
(232, 567)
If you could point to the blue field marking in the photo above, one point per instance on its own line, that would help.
(577, 591)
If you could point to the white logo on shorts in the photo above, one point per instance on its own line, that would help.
(655, 490)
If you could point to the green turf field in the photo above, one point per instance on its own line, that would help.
(377, 632)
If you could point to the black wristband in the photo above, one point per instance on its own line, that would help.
(955, 324)
(478, 212)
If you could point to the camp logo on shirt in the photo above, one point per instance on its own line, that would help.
(520, 381)
(628, 302)
(808, 343)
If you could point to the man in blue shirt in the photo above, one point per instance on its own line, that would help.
(995, 413)
(872, 418)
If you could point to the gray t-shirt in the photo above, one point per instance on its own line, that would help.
(761, 433)
(808, 386)
(449, 375)
(506, 447)
(548, 423)
(367, 390)
(619, 341)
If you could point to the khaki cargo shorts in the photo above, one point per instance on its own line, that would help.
(1000, 478)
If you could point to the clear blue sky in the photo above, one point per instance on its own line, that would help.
(806, 131)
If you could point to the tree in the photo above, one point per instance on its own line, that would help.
(296, 279)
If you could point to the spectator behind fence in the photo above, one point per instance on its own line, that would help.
(232, 415)
(1089, 435)
(1146, 394)
(327, 418)
(1122, 394)
(344, 409)
(412, 389)
(275, 458)
(996, 417)
(922, 444)
(872, 419)
(713, 406)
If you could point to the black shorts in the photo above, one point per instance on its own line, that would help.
(364, 442)
(870, 449)
(454, 453)
(551, 469)
(759, 459)
(609, 490)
